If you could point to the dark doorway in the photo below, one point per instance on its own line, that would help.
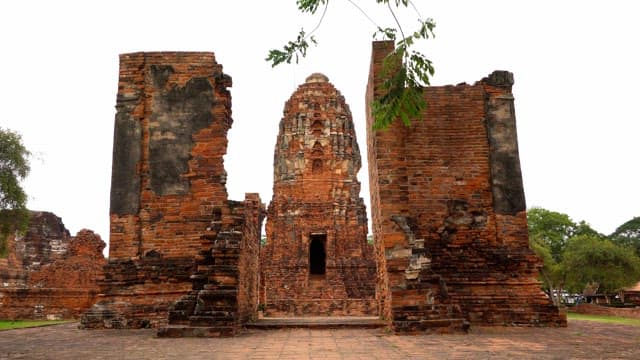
(317, 254)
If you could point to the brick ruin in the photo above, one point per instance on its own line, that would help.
(317, 260)
(448, 209)
(180, 252)
(49, 274)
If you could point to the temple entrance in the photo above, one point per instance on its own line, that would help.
(317, 254)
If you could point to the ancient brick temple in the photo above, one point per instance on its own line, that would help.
(175, 237)
(317, 260)
(448, 210)
(49, 274)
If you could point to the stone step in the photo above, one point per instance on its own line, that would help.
(211, 321)
(361, 322)
(320, 307)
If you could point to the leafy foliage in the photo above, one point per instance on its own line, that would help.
(405, 71)
(590, 260)
(628, 234)
(576, 255)
(552, 272)
(14, 167)
(550, 229)
(310, 6)
(293, 50)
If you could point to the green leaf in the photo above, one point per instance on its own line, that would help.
(293, 49)
(310, 6)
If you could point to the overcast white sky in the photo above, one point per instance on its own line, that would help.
(576, 66)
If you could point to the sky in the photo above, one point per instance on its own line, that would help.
(575, 64)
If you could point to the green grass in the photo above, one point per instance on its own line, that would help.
(19, 324)
(604, 319)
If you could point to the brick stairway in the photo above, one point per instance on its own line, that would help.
(211, 308)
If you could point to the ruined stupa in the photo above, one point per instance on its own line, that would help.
(317, 260)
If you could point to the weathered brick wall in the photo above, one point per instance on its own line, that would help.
(183, 257)
(174, 111)
(168, 180)
(224, 293)
(447, 193)
(593, 309)
(316, 196)
(48, 273)
(249, 261)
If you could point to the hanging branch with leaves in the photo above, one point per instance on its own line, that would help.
(405, 71)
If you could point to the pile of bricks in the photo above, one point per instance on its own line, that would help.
(48, 273)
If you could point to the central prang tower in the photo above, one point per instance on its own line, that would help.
(317, 260)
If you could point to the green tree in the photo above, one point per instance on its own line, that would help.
(14, 167)
(591, 260)
(551, 229)
(552, 273)
(549, 232)
(628, 234)
(406, 71)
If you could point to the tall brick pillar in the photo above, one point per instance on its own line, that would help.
(448, 209)
(168, 194)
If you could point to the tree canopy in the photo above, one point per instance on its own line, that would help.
(405, 71)
(550, 229)
(576, 255)
(590, 260)
(14, 167)
(628, 234)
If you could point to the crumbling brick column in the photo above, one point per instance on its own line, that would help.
(448, 203)
(168, 182)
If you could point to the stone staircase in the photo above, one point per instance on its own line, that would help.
(318, 322)
(211, 308)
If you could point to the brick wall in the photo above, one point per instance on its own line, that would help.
(249, 261)
(176, 240)
(447, 199)
(48, 273)
(173, 114)
(168, 181)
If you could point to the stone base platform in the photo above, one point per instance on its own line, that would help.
(318, 322)
(321, 307)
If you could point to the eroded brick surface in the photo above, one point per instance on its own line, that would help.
(173, 230)
(49, 273)
(317, 260)
(447, 202)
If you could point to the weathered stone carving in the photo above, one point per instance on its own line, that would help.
(317, 260)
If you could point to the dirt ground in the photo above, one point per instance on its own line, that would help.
(580, 340)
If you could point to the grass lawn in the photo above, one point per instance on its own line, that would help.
(19, 324)
(604, 319)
